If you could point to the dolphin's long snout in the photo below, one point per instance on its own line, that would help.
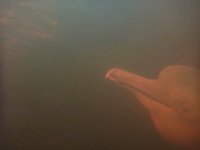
(130, 80)
(147, 87)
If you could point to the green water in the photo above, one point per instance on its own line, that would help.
(55, 55)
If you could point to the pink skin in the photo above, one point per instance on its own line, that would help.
(176, 118)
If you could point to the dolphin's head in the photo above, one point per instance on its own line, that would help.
(173, 100)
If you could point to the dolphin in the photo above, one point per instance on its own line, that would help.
(172, 100)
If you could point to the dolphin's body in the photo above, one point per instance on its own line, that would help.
(173, 101)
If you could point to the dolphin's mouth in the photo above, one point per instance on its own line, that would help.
(146, 87)
(126, 78)
(120, 76)
(112, 74)
(130, 80)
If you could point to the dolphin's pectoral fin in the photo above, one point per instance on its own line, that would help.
(173, 100)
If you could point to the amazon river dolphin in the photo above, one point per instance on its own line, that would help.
(172, 100)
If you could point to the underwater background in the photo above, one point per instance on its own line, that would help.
(54, 55)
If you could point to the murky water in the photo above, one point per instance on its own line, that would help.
(54, 56)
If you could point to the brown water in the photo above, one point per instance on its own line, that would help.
(54, 56)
